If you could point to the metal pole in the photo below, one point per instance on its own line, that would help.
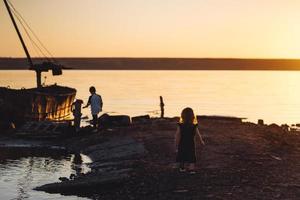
(38, 72)
(19, 34)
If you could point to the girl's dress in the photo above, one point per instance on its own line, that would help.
(186, 147)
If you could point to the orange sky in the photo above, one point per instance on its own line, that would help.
(158, 28)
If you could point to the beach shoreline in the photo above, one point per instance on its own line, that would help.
(241, 160)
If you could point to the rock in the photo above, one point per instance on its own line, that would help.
(295, 129)
(63, 179)
(77, 159)
(275, 157)
(260, 122)
(72, 176)
(107, 121)
(274, 128)
(140, 119)
(285, 127)
(94, 181)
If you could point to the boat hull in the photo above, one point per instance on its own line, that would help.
(36, 104)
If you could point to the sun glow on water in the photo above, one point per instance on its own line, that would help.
(269, 95)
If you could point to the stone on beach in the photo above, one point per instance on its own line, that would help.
(140, 119)
(106, 120)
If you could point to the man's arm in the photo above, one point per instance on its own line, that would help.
(88, 103)
(101, 102)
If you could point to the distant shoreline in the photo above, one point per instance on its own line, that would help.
(160, 64)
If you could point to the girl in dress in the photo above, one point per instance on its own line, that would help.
(185, 140)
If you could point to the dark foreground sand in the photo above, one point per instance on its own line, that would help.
(240, 161)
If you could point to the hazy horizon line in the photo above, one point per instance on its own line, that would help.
(128, 57)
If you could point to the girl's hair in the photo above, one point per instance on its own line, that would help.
(187, 116)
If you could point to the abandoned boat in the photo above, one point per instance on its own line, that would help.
(52, 102)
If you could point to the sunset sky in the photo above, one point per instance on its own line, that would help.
(158, 28)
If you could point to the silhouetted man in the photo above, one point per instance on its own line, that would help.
(95, 101)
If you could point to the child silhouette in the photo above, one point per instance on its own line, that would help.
(185, 140)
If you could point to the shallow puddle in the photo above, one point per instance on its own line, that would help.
(22, 169)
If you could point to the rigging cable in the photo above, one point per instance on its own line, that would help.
(21, 19)
(31, 40)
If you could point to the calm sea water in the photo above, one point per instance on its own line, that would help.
(270, 95)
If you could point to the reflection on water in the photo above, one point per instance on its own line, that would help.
(22, 169)
(269, 95)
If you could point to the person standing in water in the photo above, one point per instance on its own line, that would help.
(185, 140)
(96, 103)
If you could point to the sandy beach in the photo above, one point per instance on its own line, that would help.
(240, 160)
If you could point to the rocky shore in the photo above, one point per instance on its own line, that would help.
(240, 160)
